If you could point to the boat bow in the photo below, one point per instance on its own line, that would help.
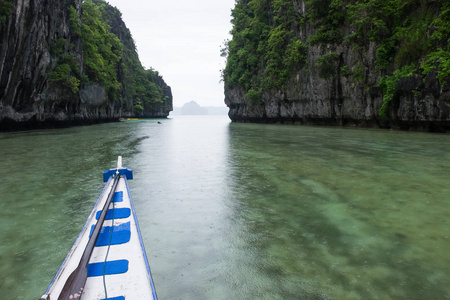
(117, 267)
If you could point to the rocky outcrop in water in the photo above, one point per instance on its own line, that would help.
(338, 63)
(46, 78)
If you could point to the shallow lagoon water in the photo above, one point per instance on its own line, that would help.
(239, 211)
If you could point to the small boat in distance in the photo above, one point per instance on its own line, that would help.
(108, 259)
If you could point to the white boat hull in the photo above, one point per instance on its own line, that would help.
(126, 274)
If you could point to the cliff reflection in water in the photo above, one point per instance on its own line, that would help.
(239, 211)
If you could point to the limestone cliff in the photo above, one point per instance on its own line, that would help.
(47, 76)
(339, 63)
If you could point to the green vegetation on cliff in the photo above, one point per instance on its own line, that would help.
(264, 50)
(269, 45)
(102, 50)
(110, 60)
(6, 8)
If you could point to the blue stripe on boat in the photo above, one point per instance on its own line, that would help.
(118, 197)
(112, 267)
(116, 298)
(119, 213)
(120, 235)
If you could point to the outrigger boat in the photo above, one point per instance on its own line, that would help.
(108, 259)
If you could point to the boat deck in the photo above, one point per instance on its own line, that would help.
(126, 274)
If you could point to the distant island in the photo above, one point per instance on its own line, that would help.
(193, 108)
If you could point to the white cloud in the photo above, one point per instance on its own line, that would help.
(181, 40)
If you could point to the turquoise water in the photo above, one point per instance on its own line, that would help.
(238, 211)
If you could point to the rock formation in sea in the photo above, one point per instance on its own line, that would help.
(69, 62)
(356, 63)
(192, 108)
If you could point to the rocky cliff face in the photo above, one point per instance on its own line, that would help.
(26, 36)
(309, 99)
(29, 37)
(345, 90)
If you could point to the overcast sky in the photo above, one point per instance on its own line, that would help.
(181, 40)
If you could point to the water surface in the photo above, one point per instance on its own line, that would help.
(238, 211)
